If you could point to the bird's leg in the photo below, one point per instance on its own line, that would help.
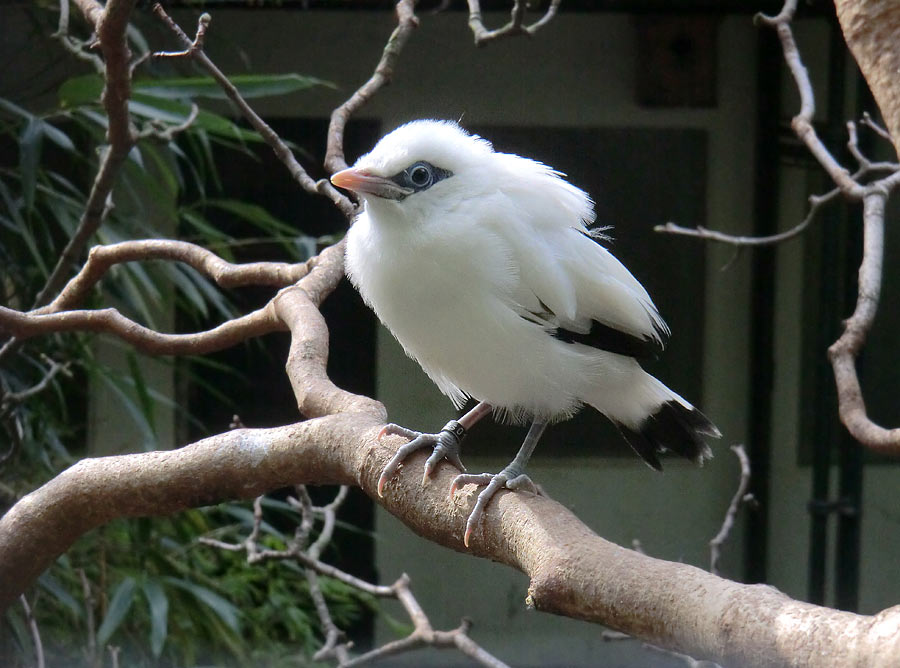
(512, 477)
(445, 443)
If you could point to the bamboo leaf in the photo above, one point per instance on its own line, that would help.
(159, 615)
(224, 610)
(29, 156)
(119, 606)
(249, 85)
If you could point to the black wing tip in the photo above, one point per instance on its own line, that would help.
(610, 339)
(674, 427)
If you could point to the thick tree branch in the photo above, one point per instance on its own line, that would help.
(872, 31)
(573, 572)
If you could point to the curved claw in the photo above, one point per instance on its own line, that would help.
(497, 483)
(494, 482)
(474, 478)
(442, 451)
(445, 443)
(392, 429)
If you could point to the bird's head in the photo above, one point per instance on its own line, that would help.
(418, 167)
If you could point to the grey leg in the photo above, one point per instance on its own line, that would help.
(512, 477)
(445, 443)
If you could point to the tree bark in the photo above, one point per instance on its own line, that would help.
(572, 571)
(872, 31)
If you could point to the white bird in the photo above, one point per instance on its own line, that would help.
(483, 267)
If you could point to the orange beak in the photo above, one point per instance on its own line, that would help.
(363, 182)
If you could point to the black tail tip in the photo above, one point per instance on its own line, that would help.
(676, 427)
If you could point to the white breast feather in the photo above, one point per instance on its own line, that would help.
(452, 273)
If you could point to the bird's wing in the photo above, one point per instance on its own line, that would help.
(567, 280)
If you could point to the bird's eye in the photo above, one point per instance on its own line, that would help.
(421, 175)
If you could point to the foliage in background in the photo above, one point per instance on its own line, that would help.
(143, 585)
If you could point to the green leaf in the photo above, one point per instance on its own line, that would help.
(118, 387)
(29, 156)
(224, 610)
(159, 615)
(118, 608)
(212, 293)
(57, 136)
(142, 391)
(255, 214)
(173, 111)
(15, 109)
(51, 584)
(249, 85)
(79, 91)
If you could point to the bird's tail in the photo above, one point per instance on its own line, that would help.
(657, 419)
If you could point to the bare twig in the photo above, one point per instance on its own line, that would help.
(22, 395)
(816, 202)
(75, 46)
(875, 127)
(802, 122)
(514, 27)
(336, 645)
(873, 195)
(194, 50)
(110, 22)
(740, 497)
(844, 351)
(90, 623)
(384, 72)
(35, 633)
(114, 651)
(159, 131)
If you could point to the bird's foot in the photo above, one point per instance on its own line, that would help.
(509, 478)
(445, 443)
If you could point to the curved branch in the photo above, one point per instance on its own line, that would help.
(297, 307)
(802, 122)
(194, 50)
(110, 23)
(514, 27)
(872, 31)
(320, 275)
(573, 572)
(384, 72)
(110, 321)
(844, 351)
(227, 275)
